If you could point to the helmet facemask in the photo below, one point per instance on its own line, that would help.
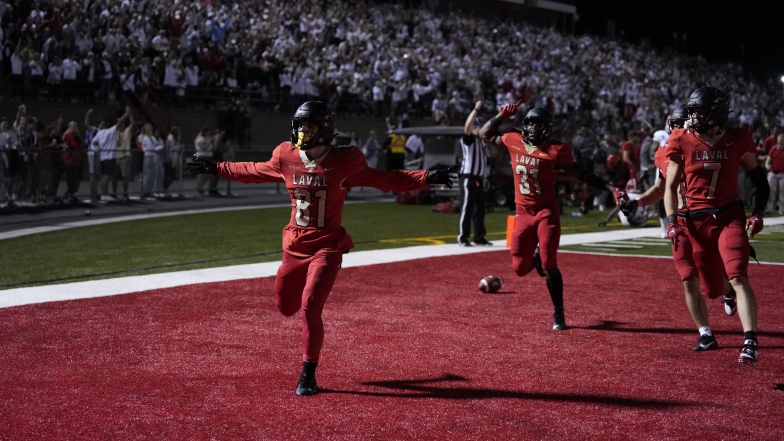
(535, 132)
(537, 126)
(678, 119)
(699, 119)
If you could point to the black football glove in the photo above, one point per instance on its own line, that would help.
(203, 166)
(628, 207)
(443, 176)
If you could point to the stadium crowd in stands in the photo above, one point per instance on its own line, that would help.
(360, 57)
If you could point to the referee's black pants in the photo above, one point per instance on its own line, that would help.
(472, 207)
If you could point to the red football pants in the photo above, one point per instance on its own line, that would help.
(682, 255)
(717, 242)
(541, 225)
(305, 282)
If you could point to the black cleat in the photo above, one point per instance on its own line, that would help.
(307, 386)
(559, 321)
(464, 243)
(537, 263)
(706, 343)
(482, 242)
(748, 353)
(730, 305)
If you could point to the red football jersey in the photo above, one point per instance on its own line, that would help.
(535, 172)
(318, 191)
(661, 162)
(634, 150)
(777, 159)
(710, 173)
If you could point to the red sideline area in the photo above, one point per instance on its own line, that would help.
(413, 351)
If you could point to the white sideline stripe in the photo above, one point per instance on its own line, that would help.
(611, 245)
(126, 285)
(88, 221)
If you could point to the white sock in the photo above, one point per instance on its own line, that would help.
(705, 330)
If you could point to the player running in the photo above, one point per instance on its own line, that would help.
(706, 157)
(318, 178)
(536, 161)
(682, 250)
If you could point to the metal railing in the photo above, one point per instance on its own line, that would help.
(47, 177)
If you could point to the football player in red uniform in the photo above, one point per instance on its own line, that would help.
(682, 251)
(706, 157)
(318, 178)
(536, 161)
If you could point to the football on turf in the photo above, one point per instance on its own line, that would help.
(490, 284)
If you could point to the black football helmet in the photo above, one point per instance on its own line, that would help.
(537, 126)
(313, 112)
(677, 119)
(707, 107)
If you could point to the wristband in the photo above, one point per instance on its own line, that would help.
(672, 219)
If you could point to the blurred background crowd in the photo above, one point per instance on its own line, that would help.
(401, 60)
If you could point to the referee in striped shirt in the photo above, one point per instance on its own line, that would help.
(472, 177)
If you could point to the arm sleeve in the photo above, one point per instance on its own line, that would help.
(565, 155)
(757, 176)
(252, 172)
(585, 176)
(392, 180)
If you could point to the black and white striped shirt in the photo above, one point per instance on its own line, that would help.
(474, 158)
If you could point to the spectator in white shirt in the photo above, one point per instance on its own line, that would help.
(105, 142)
(152, 146)
(71, 68)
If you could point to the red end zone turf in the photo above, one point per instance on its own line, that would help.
(413, 351)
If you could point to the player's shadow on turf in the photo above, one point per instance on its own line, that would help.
(610, 325)
(499, 293)
(426, 389)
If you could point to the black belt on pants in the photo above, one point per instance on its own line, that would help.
(705, 212)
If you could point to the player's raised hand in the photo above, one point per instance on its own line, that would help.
(443, 176)
(628, 207)
(510, 110)
(754, 223)
(202, 166)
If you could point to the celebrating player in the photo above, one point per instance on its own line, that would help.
(317, 177)
(682, 251)
(706, 157)
(536, 160)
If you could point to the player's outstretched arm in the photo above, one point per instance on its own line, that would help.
(591, 179)
(202, 166)
(650, 197)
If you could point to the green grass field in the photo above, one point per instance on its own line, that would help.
(195, 241)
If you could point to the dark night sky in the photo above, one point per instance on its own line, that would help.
(752, 35)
